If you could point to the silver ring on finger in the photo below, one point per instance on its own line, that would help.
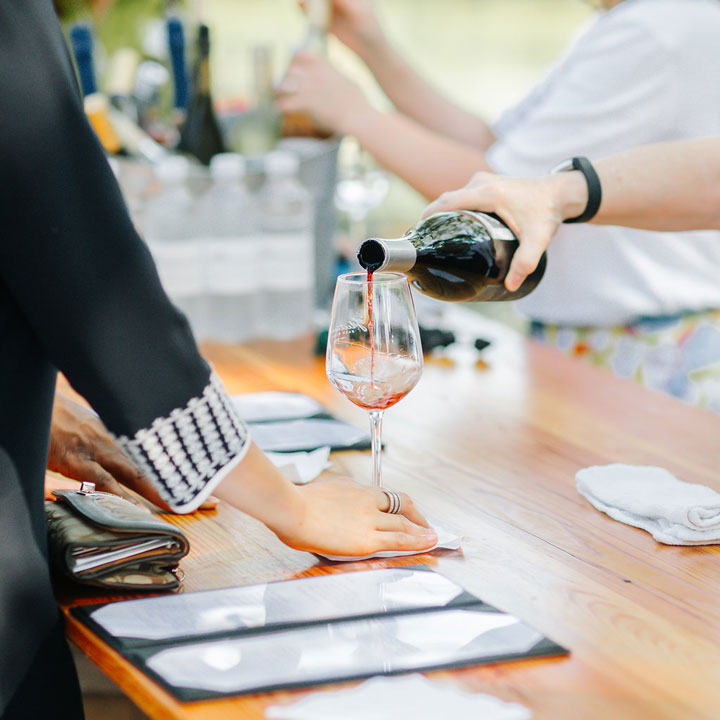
(395, 502)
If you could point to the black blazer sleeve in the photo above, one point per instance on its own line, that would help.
(85, 281)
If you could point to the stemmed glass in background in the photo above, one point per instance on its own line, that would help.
(360, 188)
(374, 356)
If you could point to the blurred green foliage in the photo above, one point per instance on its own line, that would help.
(122, 24)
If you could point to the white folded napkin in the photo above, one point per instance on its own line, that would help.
(408, 697)
(653, 499)
(301, 467)
(446, 541)
(263, 406)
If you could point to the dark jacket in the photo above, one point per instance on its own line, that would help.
(79, 293)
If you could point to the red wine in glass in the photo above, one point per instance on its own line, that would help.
(374, 356)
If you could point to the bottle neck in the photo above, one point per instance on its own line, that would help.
(381, 254)
(176, 41)
(318, 17)
(203, 76)
(82, 45)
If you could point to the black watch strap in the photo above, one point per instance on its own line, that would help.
(593, 184)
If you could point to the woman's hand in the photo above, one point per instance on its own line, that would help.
(312, 86)
(344, 518)
(331, 517)
(532, 208)
(355, 24)
(81, 449)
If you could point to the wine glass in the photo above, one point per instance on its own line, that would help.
(374, 356)
(360, 188)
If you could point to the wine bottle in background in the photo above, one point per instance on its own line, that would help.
(257, 130)
(96, 104)
(136, 142)
(318, 14)
(200, 134)
(318, 21)
(120, 80)
(453, 256)
(81, 41)
(176, 46)
(151, 80)
(123, 109)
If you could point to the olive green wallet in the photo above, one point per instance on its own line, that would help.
(101, 539)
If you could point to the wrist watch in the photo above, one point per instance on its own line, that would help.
(593, 185)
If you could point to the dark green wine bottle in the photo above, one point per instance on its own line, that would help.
(453, 256)
(200, 134)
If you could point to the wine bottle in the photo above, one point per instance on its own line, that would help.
(136, 142)
(453, 256)
(318, 21)
(176, 46)
(96, 104)
(123, 111)
(81, 41)
(318, 13)
(257, 130)
(120, 80)
(201, 134)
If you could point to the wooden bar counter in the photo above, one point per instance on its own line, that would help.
(489, 451)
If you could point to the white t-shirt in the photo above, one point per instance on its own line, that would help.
(645, 72)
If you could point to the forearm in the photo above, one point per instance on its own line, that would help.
(429, 162)
(413, 96)
(672, 186)
(330, 517)
(259, 489)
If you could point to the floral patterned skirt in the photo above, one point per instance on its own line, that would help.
(678, 355)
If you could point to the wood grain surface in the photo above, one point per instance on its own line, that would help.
(489, 451)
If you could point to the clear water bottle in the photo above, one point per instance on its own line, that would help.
(287, 249)
(228, 217)
(170, 235)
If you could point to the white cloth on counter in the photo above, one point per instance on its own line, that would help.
(408, 697)
(266, 406)
(653, 499)
(446, 541)
(301, 467)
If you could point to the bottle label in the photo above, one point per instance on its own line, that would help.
(180, 266)
(287, 261)
(233, 266)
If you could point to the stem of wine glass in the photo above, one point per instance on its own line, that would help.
(376, 434)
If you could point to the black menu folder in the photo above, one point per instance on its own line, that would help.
(310, 631)
(293, 422)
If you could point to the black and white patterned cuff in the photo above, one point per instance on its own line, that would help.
(189, 452)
